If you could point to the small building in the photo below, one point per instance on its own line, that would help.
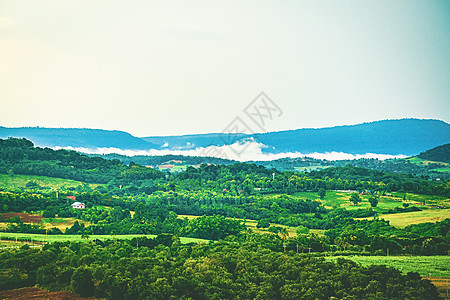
(78, 205)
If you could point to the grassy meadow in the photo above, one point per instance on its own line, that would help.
(77, 238)
(424, 265)
(19, 181)
(415, 217)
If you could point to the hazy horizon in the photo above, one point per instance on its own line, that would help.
(175, 67)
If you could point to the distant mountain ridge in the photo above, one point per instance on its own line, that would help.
(402, 136)
(78, 137)
(393, 137)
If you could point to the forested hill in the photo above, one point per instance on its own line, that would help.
(20, 156)
(439, 154)
(78, 137)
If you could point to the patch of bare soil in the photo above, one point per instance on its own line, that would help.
(442, 284)
(38, 294)
(26, 218)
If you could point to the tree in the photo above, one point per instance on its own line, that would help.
(283, 233)
(354, 197)
(322, 193)
(373, 200)
(82, 282)
(263, 223)
(302, 230)
(274, 229)
(85, 235)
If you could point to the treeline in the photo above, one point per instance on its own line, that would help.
(162, 268)
(18, 156)
(403, 166)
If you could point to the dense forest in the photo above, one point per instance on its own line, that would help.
(162, 268)
(133, 199)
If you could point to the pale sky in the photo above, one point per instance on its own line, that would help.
(181, 67)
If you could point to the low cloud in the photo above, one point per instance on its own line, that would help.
(249, 150)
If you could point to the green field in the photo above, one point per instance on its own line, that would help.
(415, 217)
(334, 199)
(78, 238)
(442, 166)
(416, 199)
(19, 181)
(424, 265)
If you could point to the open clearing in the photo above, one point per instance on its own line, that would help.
(19, 181)
(415, 217)
(77, 238)
(36, 218)
(424, 265)
(24, 217)
(335, 199)
(35, 293)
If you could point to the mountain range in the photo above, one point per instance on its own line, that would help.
(393, 137)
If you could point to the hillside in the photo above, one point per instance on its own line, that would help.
(438, 154)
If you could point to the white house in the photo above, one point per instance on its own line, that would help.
(78, 205)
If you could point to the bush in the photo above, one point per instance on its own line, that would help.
(263, 223)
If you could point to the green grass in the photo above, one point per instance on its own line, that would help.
(77, 238)
(53, 220)
(415, 217)
(334, 199)
(417, 199)
(420, 161)
(19, 181)
(424, 265)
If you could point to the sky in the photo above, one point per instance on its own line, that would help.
(182, 67)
